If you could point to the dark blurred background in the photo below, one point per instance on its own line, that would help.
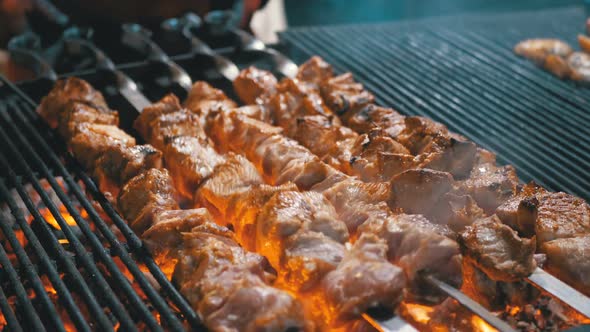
(316, 12)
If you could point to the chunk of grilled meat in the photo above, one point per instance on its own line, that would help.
(203, 98)
(417, 191)
(498, 250)
(168, 104)
(229, 286)
(578, 64)
(520, 211)
(65, 90)
(420, 248)
(455, 211)
(190, 161)
(342, 94)
(144, 197)
(489, 185)
(561, 215)
(364, 279)
(119, 164)
(234, 176)
(369, 117)
(164, 238)
(492, 294)
(252, 83)
(301, 236)
(93, 140)
(567, 258)
(164, 127)
(315, 71)
(74, 113)
(538, 49)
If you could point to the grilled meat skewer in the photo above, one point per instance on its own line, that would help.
(298, 232)
(213, 271)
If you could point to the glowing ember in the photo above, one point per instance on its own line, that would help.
(480, 325)
(421, 314)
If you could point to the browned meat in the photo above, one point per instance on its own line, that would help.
(93, 140)
(538, 49)
(203, 98)
(557, 65)
(144, 197)
(490, 185)
(164, 238)
(166, 126)
(456, 211)
(143, 123)
(253, 83)
(420, 248)
(190, 161)
(234, 176)
(315, 71)
(520, 211)
(364, 279)
(342, 94)
(497, 250)
(243, 210)
(372, 116)
(227, 286)
(494, 295)
(569, 260)
(578, 65)
(584, 42)
(417, 191)
(356, 201)
(54, 104)
(561, 215)
(119, 164)
(301, 236)
(75, 113)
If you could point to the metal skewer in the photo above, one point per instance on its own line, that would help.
(125, 85)
(139, 38)
(185, 26)
(25, 50)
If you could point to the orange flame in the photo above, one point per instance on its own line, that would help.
(480, 325)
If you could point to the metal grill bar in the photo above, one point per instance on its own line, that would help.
(133, 241)
(82, 256)
(11, 321)
(65, 296)
(22, 300)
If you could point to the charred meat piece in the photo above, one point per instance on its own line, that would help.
(416, 191)
(342, 94)
(371, 116)
(144, 197)
(190, 162)
(168, 104)
(494, 295)
(489, 185)
(119, 164)
(93, 140)
(498, 250)
(520, 211)
(300, 233)
(578, 64)
(420, 248)
(356, 201)
(203, 98)
(315, 71)
(538, 49)
(253, 83)
(54, 104)
(567, 258)
(364, 279)
(455, 211)
(167, 126)
(234, 176)
(561, 215)
(164, 238)
(228, 287)
(75, 113)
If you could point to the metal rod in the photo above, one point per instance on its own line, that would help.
(471, 305)
(393, 324)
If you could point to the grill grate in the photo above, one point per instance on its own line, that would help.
(463, 73)
(88, 269)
